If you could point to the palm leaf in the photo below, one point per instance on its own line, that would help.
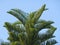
(51, 42)
(18, 14)
(38, 14)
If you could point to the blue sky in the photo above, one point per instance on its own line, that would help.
(28, 6)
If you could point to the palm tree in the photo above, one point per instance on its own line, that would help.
(26, 30)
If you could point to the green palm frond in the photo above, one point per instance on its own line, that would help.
(38, 14)
(51, 42)
(43, 24)
(18, 14)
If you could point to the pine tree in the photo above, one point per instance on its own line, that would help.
(26, 30)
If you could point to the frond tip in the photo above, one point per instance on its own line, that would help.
(38, 14)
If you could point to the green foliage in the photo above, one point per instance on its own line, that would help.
(4, 43)
(25, 31)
